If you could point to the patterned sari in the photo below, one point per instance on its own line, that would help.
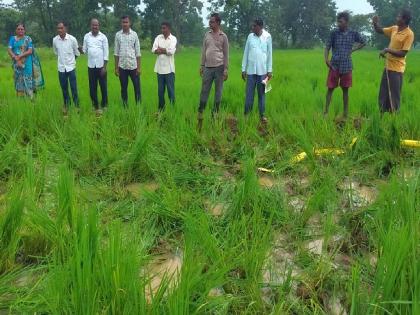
(27, 71)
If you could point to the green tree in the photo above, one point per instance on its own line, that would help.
(184, 15)
(306, 22)
(8, 19)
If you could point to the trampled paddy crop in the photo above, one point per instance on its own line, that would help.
(134, 213)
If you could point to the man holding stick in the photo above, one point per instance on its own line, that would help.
(402, 38)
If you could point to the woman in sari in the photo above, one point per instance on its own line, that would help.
(21, 51)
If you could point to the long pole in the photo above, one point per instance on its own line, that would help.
(391, 101)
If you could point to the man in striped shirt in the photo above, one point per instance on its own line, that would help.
(128, 59)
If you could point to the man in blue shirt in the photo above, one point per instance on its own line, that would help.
(257, 65)
(340, 66)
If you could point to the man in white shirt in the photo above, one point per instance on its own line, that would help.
(66, 48)
(165, 47)
(128, 59)
(95, 45)
(257, 66)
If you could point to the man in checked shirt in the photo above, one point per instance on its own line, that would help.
(342, 42)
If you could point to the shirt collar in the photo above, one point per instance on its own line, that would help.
(91, 34)
(220, 32)
(129, 31)
(264, 34)
(169, 37)
(407, 29)
(65, 37)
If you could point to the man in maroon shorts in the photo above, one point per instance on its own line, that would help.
(341, 42)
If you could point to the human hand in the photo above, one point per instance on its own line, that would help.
(383, 53)
(244, 75)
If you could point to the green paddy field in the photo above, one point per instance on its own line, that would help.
(134, 213)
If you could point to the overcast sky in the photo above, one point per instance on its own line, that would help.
(357, 6)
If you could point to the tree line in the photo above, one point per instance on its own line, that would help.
(293, 23)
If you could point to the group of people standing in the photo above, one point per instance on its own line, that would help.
(256, 66)
(342, 43)
(257, 63)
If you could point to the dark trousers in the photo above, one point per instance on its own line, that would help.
(211, 75)
(95, 77)
(124, 75)
(255, 81)
(166, 81)
(66, 78)
(390, 91)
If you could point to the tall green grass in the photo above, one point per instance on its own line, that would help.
(87, 204)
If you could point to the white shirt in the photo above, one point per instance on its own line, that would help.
(165, 64)
(127, 48)
(67, 50)
(97, 49)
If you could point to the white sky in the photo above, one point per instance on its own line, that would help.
(356, 6)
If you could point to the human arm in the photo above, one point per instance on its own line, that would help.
(117, 54)
(245, 59)
(327, 57)
(106, 55)
(225, 58)
(360, 40)
(84, 49)
(394, 52)
(10, 49)
(203, 56)
(155, 47)
(327, 50)
(55, 48)
(376, 26)
(138, 55)
(171, 50)
(400, 53)
(270, 58)
(75, 47)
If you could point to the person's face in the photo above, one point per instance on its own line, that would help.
(256, 29)
(165, 30)
(94, 26)
(400, 21)
(61, 29)
(342, 24)
(125, 24)
(20, 30)
(214, 25)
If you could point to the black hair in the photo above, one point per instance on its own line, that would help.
(167, 24)
(62, 22)
(21, 24)
(125, 17)
(344, 15)
(406, 16)
(259, 22)
(217, 17)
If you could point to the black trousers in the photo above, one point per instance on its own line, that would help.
(124, 75)
(390, 91)
(95, 77)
